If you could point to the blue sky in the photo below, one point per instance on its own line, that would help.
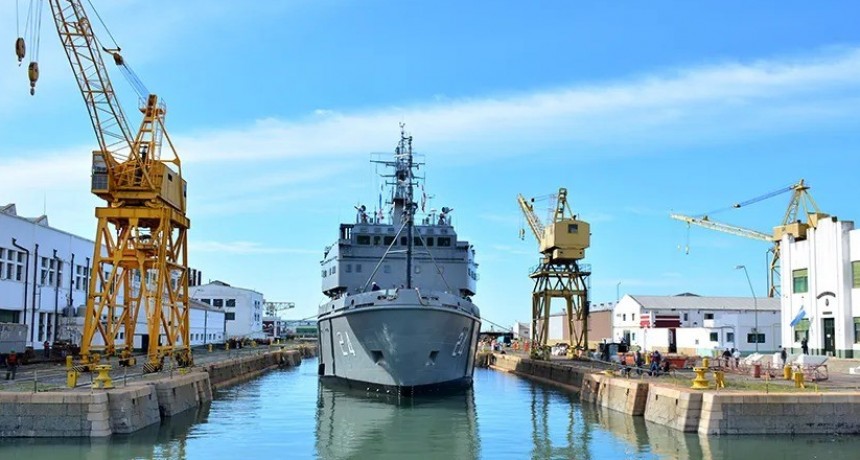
(638, 109)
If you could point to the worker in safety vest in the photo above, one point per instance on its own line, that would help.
(11, 364)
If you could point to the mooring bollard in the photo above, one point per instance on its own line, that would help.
(719, 379)
(72, 378)
(700, 382)
(103, 380)
(798, 380)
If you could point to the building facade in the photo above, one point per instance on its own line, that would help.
(696, 325)
(820, 289)
(243, 308)
(599, 326)
(60, 264)
(44, 275)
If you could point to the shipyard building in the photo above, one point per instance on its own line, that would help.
(44, 278)
(820, 275)
(243, 308)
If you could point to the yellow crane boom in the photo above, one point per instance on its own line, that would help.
(790, 225)
(529, 212)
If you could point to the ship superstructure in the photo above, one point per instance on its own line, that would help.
(400, 316)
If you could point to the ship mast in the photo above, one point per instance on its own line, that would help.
(404, 174)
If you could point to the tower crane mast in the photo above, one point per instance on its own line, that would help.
(140, 255)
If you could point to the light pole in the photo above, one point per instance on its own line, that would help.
(755, 304)
(617, 292)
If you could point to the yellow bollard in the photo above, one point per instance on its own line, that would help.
(706, 362)
(700, 382)
(72, 378)
(103, 380)
(719, 379)
(69, 362)
(227, 345)
(798, 380)
(210, 348)
(786, 372)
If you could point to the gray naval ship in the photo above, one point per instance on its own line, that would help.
(399, 318)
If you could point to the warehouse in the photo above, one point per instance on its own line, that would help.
(697, 325)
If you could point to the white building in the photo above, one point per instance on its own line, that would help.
(820, 275)
(695, 325)
(60, 262)
(41, 267)
(243, 308)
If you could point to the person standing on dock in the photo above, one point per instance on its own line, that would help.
(783, 355)
(47, 346)
(11, 364)
(804, 345)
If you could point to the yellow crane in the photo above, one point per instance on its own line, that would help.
(140, 257)
(560, 274)
(800, 205)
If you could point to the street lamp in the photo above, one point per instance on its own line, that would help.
(755, 304)
(617, 291)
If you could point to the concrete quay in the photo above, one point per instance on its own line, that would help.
(706, 412)
(85, 412)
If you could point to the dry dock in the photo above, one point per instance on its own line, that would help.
(86, 412)
(707, 412)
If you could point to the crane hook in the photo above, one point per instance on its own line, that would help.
(20, 49)
(33, 73)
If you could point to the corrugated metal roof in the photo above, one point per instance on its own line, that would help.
(687, 302)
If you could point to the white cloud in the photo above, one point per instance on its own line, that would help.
(269, 159)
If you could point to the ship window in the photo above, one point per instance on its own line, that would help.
(358, 268)
(386, 269)
(323, 273)
(572, 228)
(404, 240)
(444, 241)
(363, 239)
(429, 241)
(349, 268)
(388, 240)
(376, 240)
(334, 270)
(416, 241)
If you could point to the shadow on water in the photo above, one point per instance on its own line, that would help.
(355, 424)
(164, 441)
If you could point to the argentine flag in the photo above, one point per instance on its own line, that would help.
(800, 315)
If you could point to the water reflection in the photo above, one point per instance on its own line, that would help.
(164, 441)
(358, 425)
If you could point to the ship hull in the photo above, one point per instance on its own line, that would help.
(399, 348)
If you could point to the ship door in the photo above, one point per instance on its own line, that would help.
(829, 336)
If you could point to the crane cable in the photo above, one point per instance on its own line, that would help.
(119, 60)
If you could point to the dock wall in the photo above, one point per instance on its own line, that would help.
(694, 411)
(100, 413)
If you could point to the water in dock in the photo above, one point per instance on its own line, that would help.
(286, 414)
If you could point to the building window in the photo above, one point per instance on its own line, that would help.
(230, 316)
(685, 317)
(709, 316)
(730, 337)
(856, 330)
(624, 317)
(855, 273)
(572, 228)
(751, 338)
(801, 280)
(801, 331)
(217, 302)
(715, 336)
(231, 302)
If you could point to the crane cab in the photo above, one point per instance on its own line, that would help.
(566, 239)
